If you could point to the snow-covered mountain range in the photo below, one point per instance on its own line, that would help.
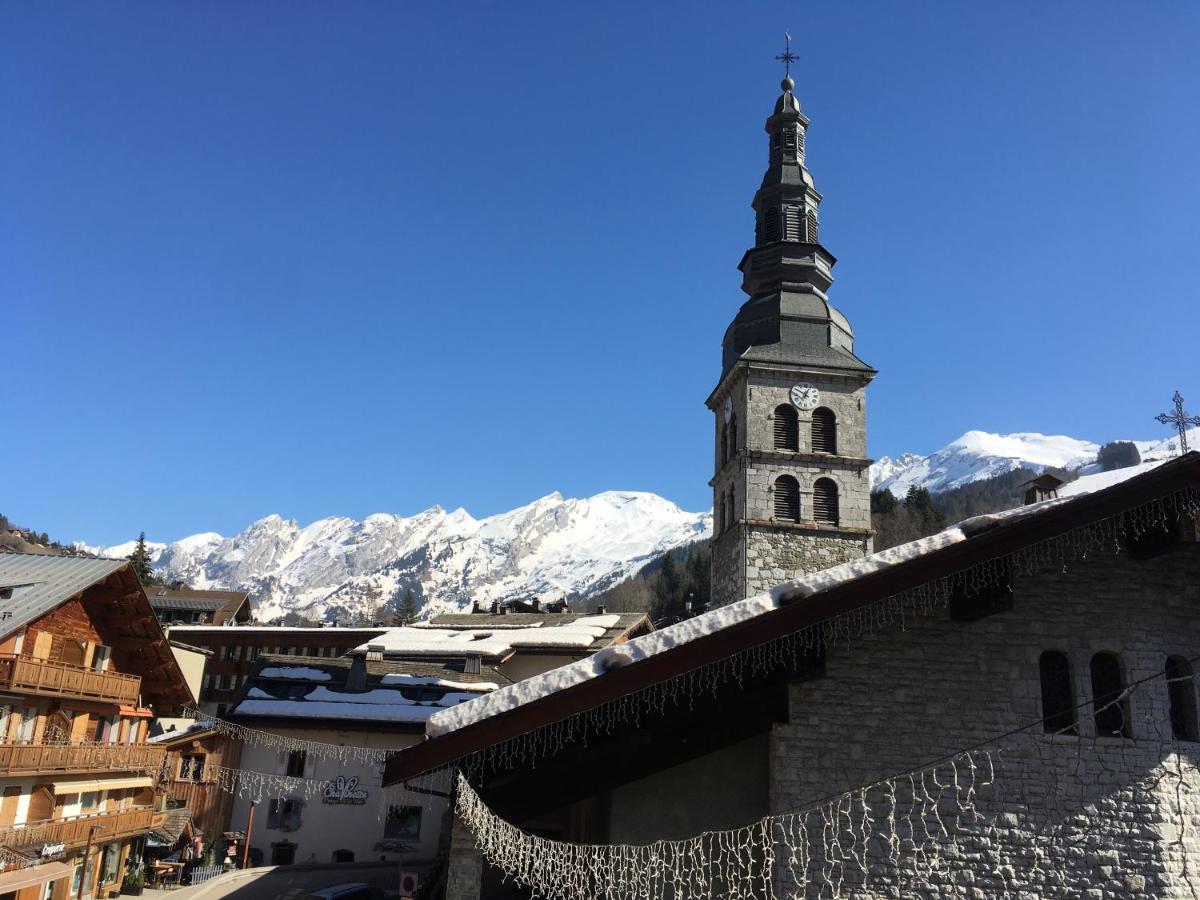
(554, 547)
(979, 455)
(340, 567)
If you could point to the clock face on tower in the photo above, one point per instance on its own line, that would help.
(728, 409)
(805, 395)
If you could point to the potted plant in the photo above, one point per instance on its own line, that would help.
(135, 881)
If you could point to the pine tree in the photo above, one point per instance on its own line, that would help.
(408, 611)
(140, 557)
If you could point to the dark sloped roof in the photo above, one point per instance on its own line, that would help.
(376, 669)
(980, 540)
(44, 581)
(189, 603)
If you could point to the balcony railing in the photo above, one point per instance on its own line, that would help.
(56, 679)
(73, 832)
(53, 759)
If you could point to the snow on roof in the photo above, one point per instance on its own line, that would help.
(488, 640)
(640, 648)
(1098, 481)
(300, 673)
(423, 681)
(387, 704)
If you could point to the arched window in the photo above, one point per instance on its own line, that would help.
(1058, 698)
(825, 501)
(787, 499)
(824, 431)
(1181, 690)
(723, 445)
(787, 428)
(732, 514)
(1109, 709)
(732, 437)
(771, 224)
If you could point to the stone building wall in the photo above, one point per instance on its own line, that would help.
(779, 553)
(1105, 808)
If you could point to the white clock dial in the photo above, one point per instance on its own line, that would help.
(805, 395)
(728, 409)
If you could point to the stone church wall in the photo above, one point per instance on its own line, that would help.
(1107, 806)
(775, 554)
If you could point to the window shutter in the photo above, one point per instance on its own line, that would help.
(793, 224)
(825, 502)
(310, 765)
(824, 431)
(787, 499)
(273, 814)
(787, 428)
(281, 759)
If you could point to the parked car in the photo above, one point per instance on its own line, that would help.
(351, 890)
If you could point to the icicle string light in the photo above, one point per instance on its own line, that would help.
(907, 825)
(891, 613)
(343, 753)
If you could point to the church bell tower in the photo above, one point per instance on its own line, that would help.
(791, 489)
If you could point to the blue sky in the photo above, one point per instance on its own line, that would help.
(332, 259)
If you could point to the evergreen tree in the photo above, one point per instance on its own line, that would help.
(1118, 455)
(140, 557)
(408, 610)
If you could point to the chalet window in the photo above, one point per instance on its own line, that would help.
(206, 681)
(100, 657)
(5, 715)
(1109, 709)
(1058, 697)
(295, 763)
(403, 823)
(825, 501)
(283, 814)
(191, 768)
(1181, 691)
(232, 654)
(787, 428)
(824, 431)
(787, 499)
(772, 226)
(28, 724)
(252, 653)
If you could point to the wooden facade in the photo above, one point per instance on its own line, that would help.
(193, 759)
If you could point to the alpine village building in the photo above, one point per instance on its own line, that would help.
(84, 665)
(378, 697)
(1004, 709)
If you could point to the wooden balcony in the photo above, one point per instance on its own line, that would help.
(73, 832)
(47, 678)
(59, 759)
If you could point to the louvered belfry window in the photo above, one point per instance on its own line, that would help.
(771, 230)
(787, 499)
(787, 428)
(811, 219)
(825, 501)
(824, 431)
(793, 224)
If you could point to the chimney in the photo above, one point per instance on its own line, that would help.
(475, 607)
(356, 679)
(601, 609)
(471, 665)
(495, 607)
(537, 605)
(504, 610)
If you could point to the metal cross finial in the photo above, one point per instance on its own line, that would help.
(787, 57)
(1180, 419)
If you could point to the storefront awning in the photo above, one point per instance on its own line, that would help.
(79, 785)
(40, 874)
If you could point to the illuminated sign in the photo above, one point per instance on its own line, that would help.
(344, 790)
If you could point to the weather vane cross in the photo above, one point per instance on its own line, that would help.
(1180, 419)
(787, 57)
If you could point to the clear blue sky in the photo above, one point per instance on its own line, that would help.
(332, 259)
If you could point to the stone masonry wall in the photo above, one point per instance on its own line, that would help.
(775, 554)
(1106, 813)
(727, 567)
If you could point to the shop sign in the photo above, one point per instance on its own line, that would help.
(53, 849)
(343, 790)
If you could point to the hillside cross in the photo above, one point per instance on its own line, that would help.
(1180, 419)
(787, 57)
